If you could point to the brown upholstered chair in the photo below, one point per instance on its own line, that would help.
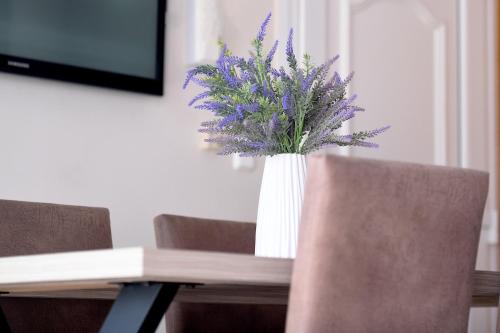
(386, 247)
(222, 236)
(32, 228)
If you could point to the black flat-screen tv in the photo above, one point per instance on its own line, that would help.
(110, 43)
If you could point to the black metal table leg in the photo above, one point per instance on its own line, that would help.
(139, 307)
(4, 325)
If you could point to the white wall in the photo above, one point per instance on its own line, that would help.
(138, 155)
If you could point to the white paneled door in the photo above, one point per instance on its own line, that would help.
(421, 66)
(405, 57)
(404, 54)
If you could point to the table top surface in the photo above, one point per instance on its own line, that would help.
(207, 276)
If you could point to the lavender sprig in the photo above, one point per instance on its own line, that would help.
(260, 110)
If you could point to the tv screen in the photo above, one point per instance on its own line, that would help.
(113, 43)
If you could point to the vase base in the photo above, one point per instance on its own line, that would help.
(285, 256)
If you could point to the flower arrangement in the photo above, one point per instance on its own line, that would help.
(261, 110)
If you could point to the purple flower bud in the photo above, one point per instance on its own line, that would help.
(377, 131)
(307, 82)
(289, 44)
(266, 91)
(275, 73)
(336, 78)
(201, 83)
(366, 144)
(227, 120)
(239, 111)
(211, 106)
(224, 64)
(286, 102)
(198, 97)
(274, 123)
(245, 76)
(189, 76)
(271, 53)
(254, 88)
(345, 138)
(290, 56)
(262, 30)
(254, 107)
(256, 144)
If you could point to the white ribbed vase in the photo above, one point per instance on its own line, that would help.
(280, 205)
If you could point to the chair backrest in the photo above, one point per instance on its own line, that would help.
(386, 247)
(188, 233)
(32, 228)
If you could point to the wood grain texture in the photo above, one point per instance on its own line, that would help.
(99, 269)
(240, 294)
(71, 270)
(210, 277)
(215, 268)
(486, 283)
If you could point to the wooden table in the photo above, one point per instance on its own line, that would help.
(150, 279)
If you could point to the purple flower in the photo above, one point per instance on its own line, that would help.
(290, 56)
(256, 145)
(348, 78)
(284, 76)
(190, 74)
(223, 65)
(245, 76)
(289, 43)
(239, 111)
(251, 62)
(254, 107)
(254, 88)
(358, 109)
(261, 110)
(366, 144)
(307, 81)
(203, 69)
(326, 66)
(342, 116)
(346, 104)
(228, 120)
(262, 30)
(241, 108)
(375, 132)
(229, 78)
(232, 60)
(271, 53)
(286, 103)
(267, 91)
(351, 99)
(211, 106)
(208, 123)
(249, 154)
(345, 138)
(336, 78)
(201, 83)
(199, 96)
(274, 123)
